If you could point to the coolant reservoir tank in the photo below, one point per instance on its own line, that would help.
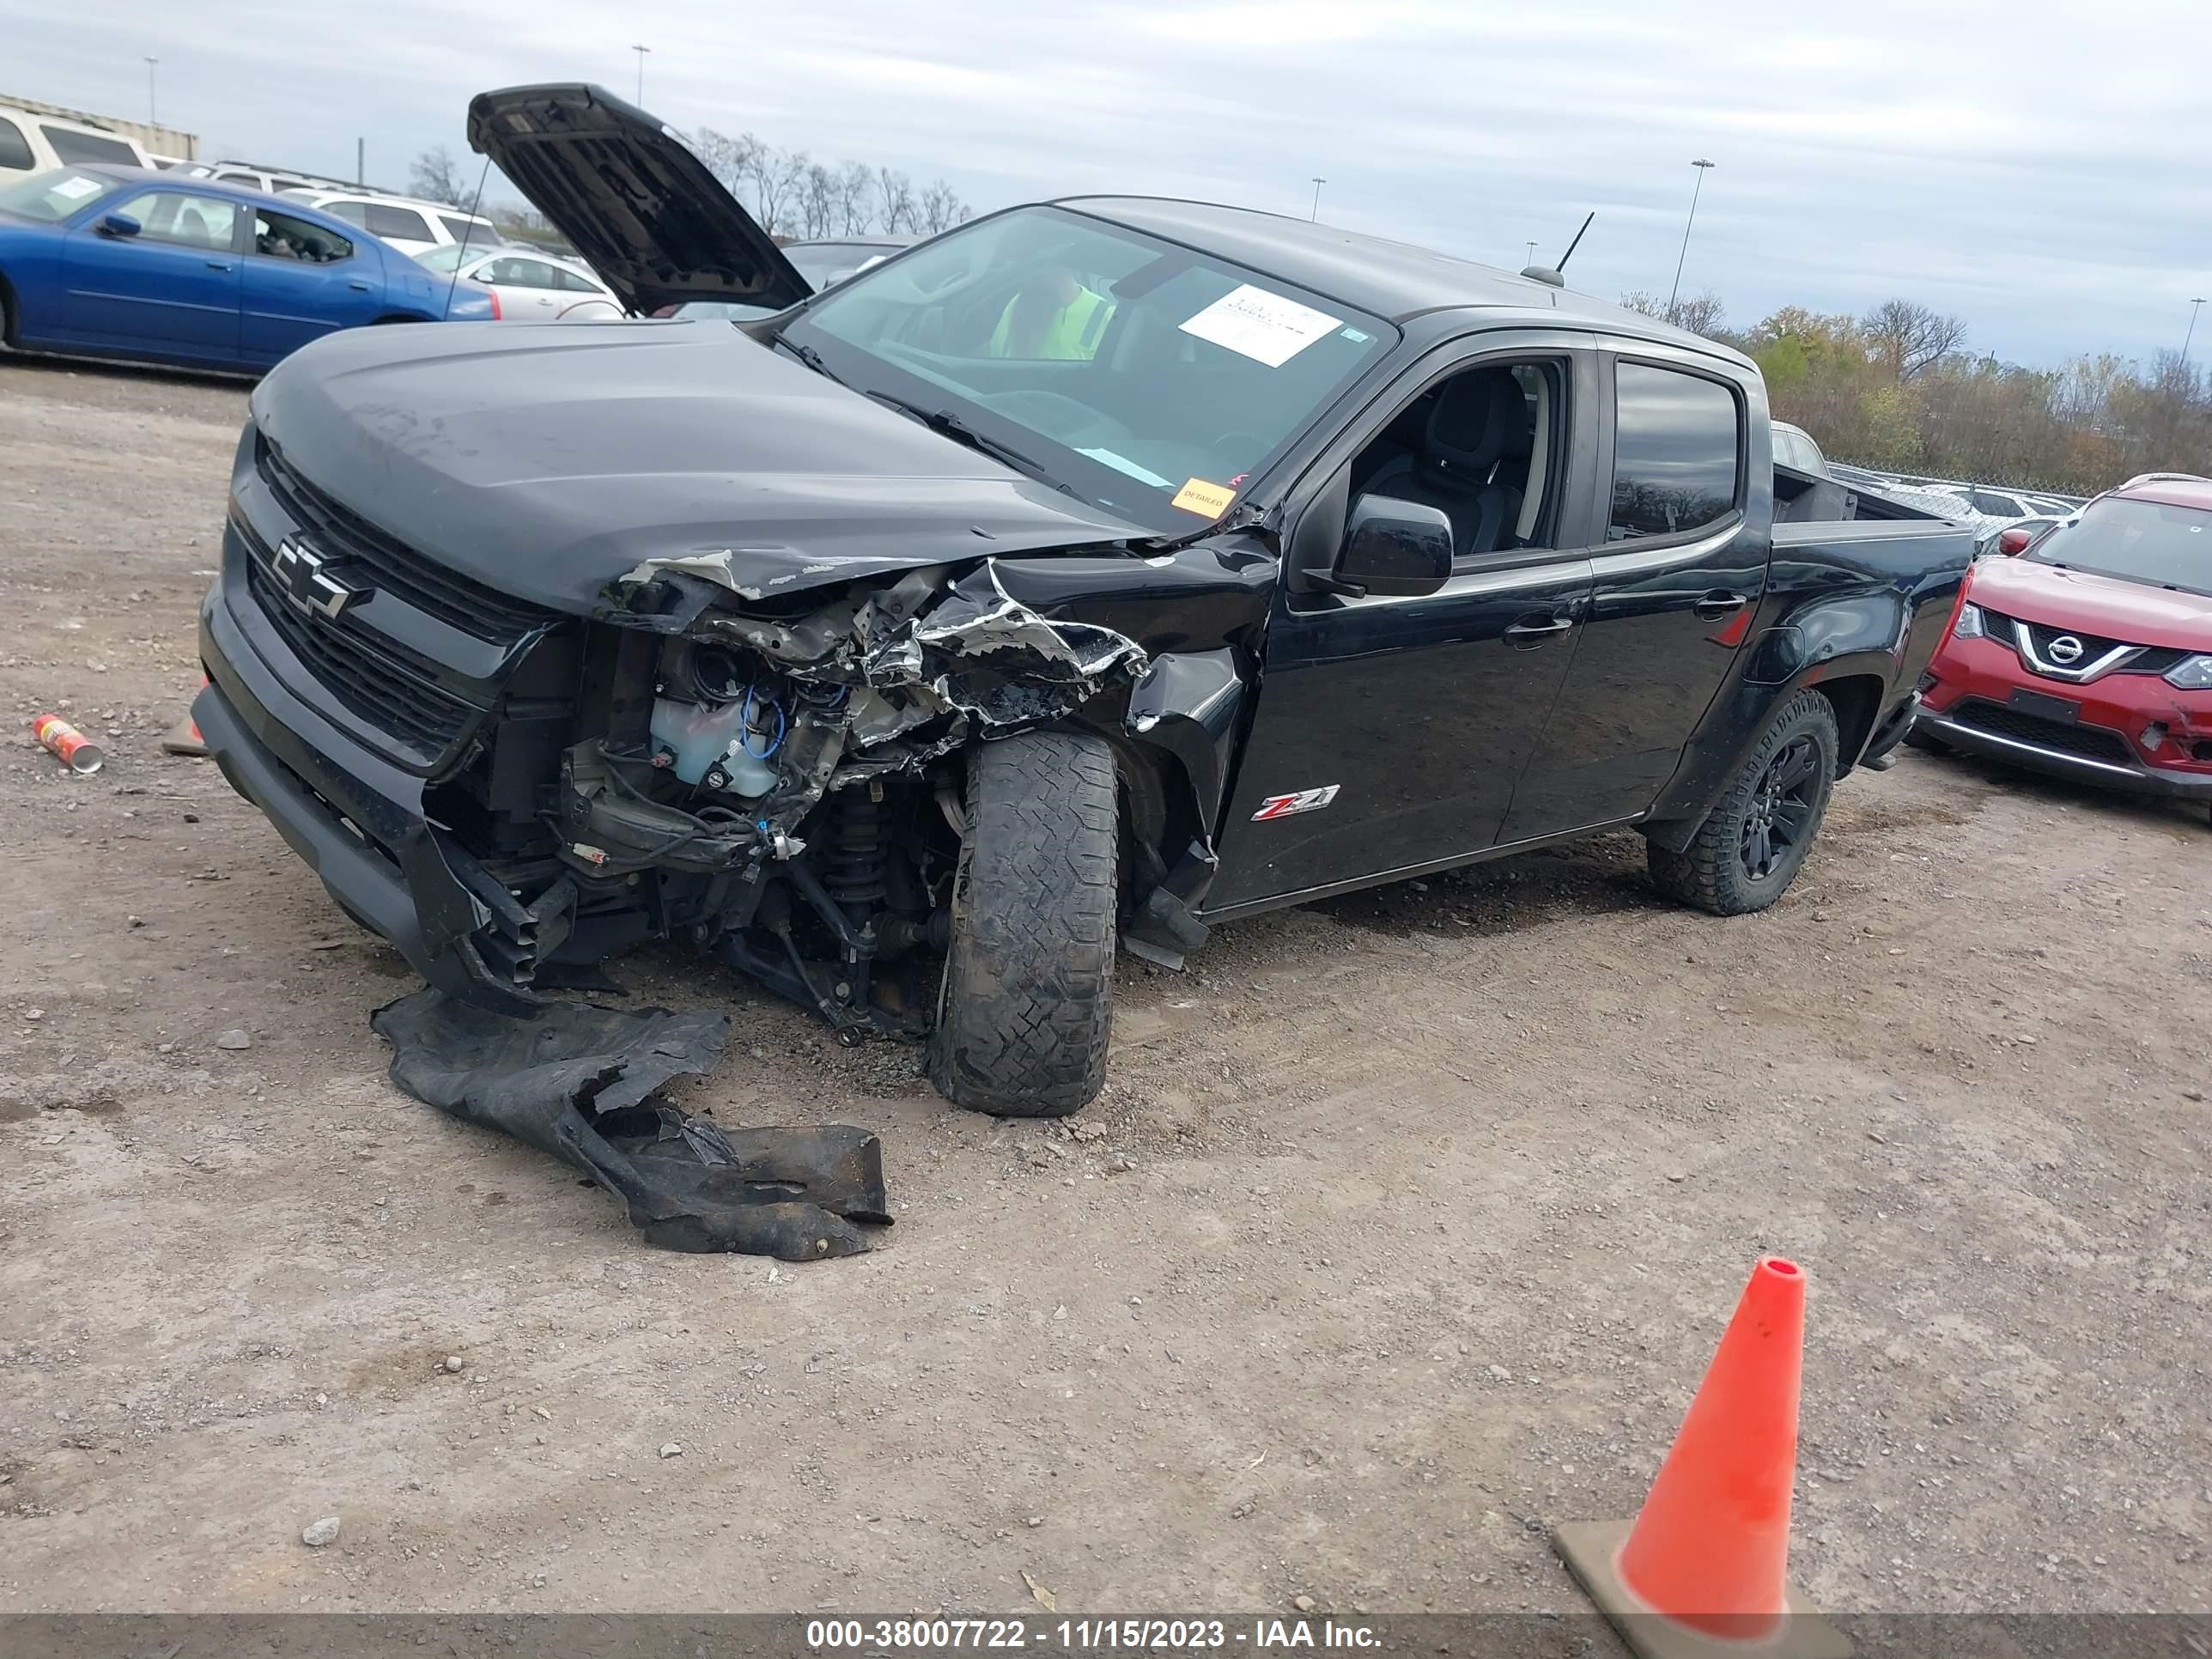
(695, 734)
(749, 775)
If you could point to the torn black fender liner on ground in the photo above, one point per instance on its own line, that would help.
(581, 1083)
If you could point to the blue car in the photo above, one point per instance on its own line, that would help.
(122, 261)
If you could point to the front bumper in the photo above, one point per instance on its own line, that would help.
(357, 821)
(1984, 700)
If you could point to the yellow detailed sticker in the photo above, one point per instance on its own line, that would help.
(1208, 500)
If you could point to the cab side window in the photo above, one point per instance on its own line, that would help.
(1677, 444)
(15, 149)
(281, 236)
(188, 221)
(1483, 447)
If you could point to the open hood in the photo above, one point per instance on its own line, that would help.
(632, 198)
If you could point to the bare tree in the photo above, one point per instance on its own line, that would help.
(730, 159)
(818, 201)
(942, 208)
(433, 178)
(895, 205)
(1703, 314)
(855, 180)
(777, 176)
(1908, 338)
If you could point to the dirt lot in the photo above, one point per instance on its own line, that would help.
(1411, 1223)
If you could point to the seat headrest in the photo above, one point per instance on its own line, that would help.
(1475, 416)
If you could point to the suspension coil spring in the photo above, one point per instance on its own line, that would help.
(859, 845)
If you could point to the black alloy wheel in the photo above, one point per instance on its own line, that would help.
(1783, 809)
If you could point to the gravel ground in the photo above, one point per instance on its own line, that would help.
(1403, 1230)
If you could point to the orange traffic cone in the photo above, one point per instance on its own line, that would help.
(183, 737)
(1701, 1571)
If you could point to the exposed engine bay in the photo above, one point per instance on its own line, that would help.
(783, 790)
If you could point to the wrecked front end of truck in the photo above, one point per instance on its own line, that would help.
(782, 783)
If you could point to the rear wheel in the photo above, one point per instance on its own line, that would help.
(1745, 855)
(1029, 979)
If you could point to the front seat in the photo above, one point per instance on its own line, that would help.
(1475, 418)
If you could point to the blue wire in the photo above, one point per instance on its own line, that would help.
(745, 728)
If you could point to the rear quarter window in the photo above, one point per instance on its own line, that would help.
(404, 223)
(1677, 442)
(70, 145)
(15, 149)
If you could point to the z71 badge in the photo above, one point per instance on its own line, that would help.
(1305, 800)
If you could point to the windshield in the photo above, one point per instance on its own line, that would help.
(441, 259)
(53, 196)
(2151, 542)
(1150, 379)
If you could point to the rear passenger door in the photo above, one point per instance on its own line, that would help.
(1682, 572)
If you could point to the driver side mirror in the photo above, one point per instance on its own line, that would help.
(119, 224)
(2014, 540)
(1391, 547)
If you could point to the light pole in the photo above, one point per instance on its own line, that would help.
(2195, 306)
(641, 51)
(1316, 214)
(1703, 167)
(153, 108)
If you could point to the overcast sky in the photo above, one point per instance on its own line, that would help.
(2047, 176)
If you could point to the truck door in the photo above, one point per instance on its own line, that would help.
(1389, 731)
(1681, 572)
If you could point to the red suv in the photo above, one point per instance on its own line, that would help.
(2088, 652)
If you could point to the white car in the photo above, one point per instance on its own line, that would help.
(274, 181)
(34, 143)
(411, 226)
(526, 285)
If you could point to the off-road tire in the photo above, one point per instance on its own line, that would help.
(1710, 873)
(1028, 998)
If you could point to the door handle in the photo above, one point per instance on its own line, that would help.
(357, 283)
(1719, 606)
(1532, 631)
(218, 264)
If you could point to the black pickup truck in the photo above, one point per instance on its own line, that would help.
(1096, 572)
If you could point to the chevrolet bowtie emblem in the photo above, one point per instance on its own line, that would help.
(304, 575)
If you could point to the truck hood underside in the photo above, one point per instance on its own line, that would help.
(550, 462)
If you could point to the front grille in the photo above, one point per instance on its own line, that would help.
(2153, 659)
(341, 534)
(2089, 742)
(383, 684)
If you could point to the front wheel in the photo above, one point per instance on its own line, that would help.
(1029, 979)
(1745, 855)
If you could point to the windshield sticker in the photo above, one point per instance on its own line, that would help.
(1208, 500)
(71, 189)
(1357, 336)
(1263, 326)
(1123, 463)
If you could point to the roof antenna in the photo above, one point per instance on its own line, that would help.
(1555, 275)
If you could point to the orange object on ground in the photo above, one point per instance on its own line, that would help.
(184, 737)
(1701, 1572)
(67, 744)
(1711, 1545)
